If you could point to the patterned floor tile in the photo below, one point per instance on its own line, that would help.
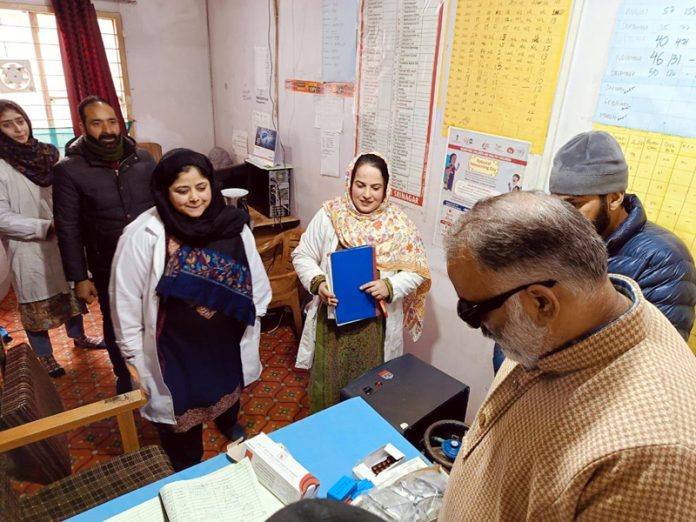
(274, 374)
(277, 399)
(297, 378)
(281, 360)
(267, 389)
(291, 394)
(259, 406)
(284, 411)
(89, 438)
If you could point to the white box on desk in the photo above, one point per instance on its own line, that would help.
(363, 470)
(278, 471)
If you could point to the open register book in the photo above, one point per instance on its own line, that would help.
(230, 494)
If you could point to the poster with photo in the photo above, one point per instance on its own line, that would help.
(477, 166)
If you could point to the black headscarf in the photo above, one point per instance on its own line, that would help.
(210, 268)
(218, 222)
(34, 159)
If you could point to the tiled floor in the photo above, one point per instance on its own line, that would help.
(274, 401)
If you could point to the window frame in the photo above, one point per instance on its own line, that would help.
(115, 17)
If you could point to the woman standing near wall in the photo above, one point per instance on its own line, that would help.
(26, 225)
(362, 216)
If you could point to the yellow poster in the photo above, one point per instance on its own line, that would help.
(662, 173)
(504, 67)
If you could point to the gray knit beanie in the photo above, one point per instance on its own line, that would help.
(591, 163)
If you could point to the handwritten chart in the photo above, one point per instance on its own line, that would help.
(504, 67)
(662, 173)
(338, 20)
(649, 82)
(398, 52)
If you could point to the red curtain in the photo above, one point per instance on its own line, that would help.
(84, 58)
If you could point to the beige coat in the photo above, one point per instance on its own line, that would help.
(604, 430)
(26, 212)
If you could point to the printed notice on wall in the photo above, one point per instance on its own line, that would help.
(504, 67)
(650, 79)
(477, 166)
(662, 173)
(262, 72)
(240, 139)
(339, 19)
(398, 56)
(330, 150)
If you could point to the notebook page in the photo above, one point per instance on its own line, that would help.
(229, 494)
(148, 511)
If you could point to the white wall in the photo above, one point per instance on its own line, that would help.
(237, 26)
(169, 69)
(168, 61)
(235, 29)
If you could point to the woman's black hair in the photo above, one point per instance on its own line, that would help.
(373, 160)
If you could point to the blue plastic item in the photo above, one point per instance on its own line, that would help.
(450, 447)
(361, 488)
(5, 336)
(342, 489)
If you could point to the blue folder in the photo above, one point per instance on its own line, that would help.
(349, 269)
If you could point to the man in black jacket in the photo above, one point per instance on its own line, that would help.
(101, 185)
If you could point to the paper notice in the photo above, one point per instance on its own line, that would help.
(330, 154)
(262, 119)
(239, 143)
(328, 113)
(339, 23)
(262, 70)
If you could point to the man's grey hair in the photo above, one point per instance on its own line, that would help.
(530, 236)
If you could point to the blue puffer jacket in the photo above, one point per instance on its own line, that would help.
(658, 261)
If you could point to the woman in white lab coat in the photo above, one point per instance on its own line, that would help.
(362, 216)
(26, 225)
(187, 290)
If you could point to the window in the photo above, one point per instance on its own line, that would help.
(28, 37)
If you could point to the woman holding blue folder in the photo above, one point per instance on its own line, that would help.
(362, 216)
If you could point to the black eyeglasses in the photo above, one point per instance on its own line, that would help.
(473, 312)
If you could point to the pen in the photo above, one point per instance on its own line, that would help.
(383, 307)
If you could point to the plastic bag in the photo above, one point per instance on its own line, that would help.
(414, 497)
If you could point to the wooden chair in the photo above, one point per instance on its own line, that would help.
(36, 446)
(276, 255)
(155, 149)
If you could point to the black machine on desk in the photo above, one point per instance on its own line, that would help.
(411, 395)
(270, 188)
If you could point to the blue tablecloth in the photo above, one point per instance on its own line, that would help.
(328, 444)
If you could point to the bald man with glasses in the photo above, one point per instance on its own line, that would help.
(591, 416)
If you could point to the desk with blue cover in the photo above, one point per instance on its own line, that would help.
(328, 443)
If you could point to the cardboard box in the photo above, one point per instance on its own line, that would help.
(378, 462)
(278, 471)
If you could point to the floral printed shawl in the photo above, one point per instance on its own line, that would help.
(398, 245)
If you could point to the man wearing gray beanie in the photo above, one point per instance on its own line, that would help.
(590, 173)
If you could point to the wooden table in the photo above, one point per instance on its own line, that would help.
(265, 228)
